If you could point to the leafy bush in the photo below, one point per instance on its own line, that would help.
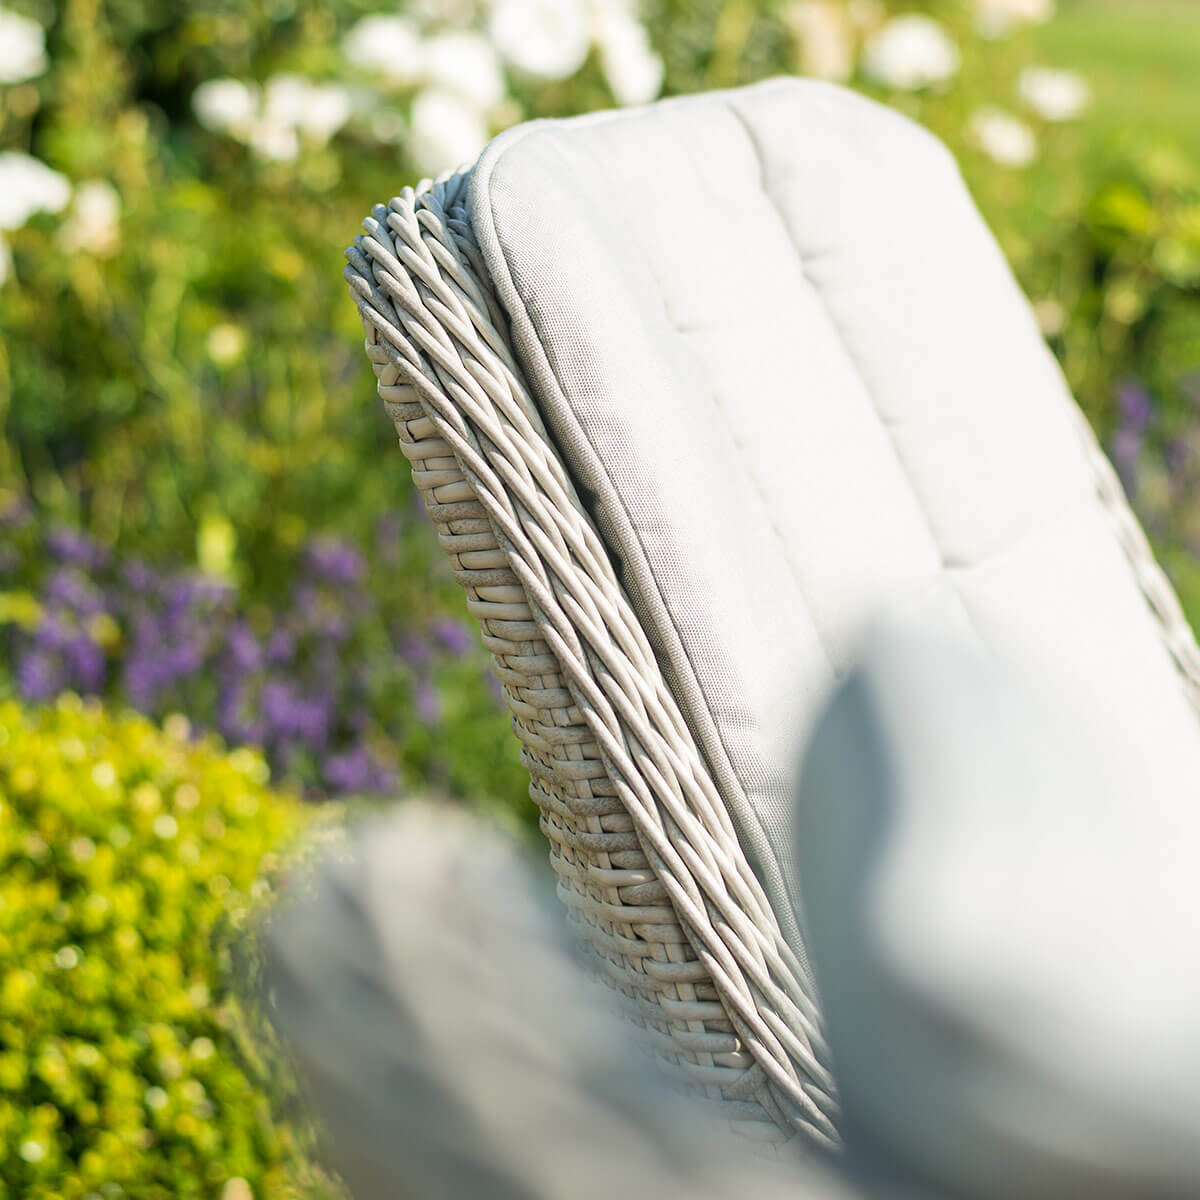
(128, 859)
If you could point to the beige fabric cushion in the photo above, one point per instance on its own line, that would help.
(797, 384)
(1003, 919)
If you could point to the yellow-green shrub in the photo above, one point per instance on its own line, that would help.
(128, 856)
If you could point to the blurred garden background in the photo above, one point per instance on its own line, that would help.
(221, 607)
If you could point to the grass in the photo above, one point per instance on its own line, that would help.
(1142, 58)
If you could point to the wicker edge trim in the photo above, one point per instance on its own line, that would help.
(648, 863)
(1176, 633)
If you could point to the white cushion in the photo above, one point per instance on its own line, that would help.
(1004, 922)
(797, 384)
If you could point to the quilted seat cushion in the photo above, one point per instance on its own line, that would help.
(796, 384)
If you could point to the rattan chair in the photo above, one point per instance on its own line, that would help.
(652, 868)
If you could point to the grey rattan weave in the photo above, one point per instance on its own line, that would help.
(648, 864)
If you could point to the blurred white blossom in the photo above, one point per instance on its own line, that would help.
(1050, 315)
(226, 343)
(316, 110)
(283, 100)
(274, 141)
(22, 48)
(999, 18)
(226, 106)
(28, 186)
(465, 63)
(1054, 95)
(1002, 137)
(823, 28)
(446, 130)
(94, 222)
(633, 71)
(544, 39)
(390, 46)
(272, 122)
(910, 52)
(388, 126)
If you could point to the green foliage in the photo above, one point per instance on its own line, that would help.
(128, 860)
(1136, 254)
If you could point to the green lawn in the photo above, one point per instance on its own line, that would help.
(1142, 58)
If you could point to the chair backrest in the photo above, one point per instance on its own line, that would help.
(766, 338)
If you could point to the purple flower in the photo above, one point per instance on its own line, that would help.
(349, 772)
(387, 534)
(334, 561)
(141, 680)
(53, 633)
(452, 635)
(139, 577)
(184, 658)
(356, 771)
(242, 649)
(413, 651)
(1126, 456)
(429, 705)
(1135, 405)
(281, 645)
(70, 590)
(291, 717)
(494, 686)
(86, 664)
(40, 676)
(74, 548)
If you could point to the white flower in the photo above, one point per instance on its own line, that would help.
(284, 98)
(633, 71)
(999, 18)
(316, 110)
(1003, 138)
(446, 130)
(22, 48)
(274, 140)
(327, 108)
(826, 44)
(389, 45)
(1051, 316)
(388, 126)
(465, 63)
(226, 343)
(28, 186)
(910, 52)
(226, 106)
(271, 124)
(1054, 95)
(545, 39)
(94, 221)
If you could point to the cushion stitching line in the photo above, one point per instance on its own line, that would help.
(769, 192)
(755, 476)
(721, 771)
